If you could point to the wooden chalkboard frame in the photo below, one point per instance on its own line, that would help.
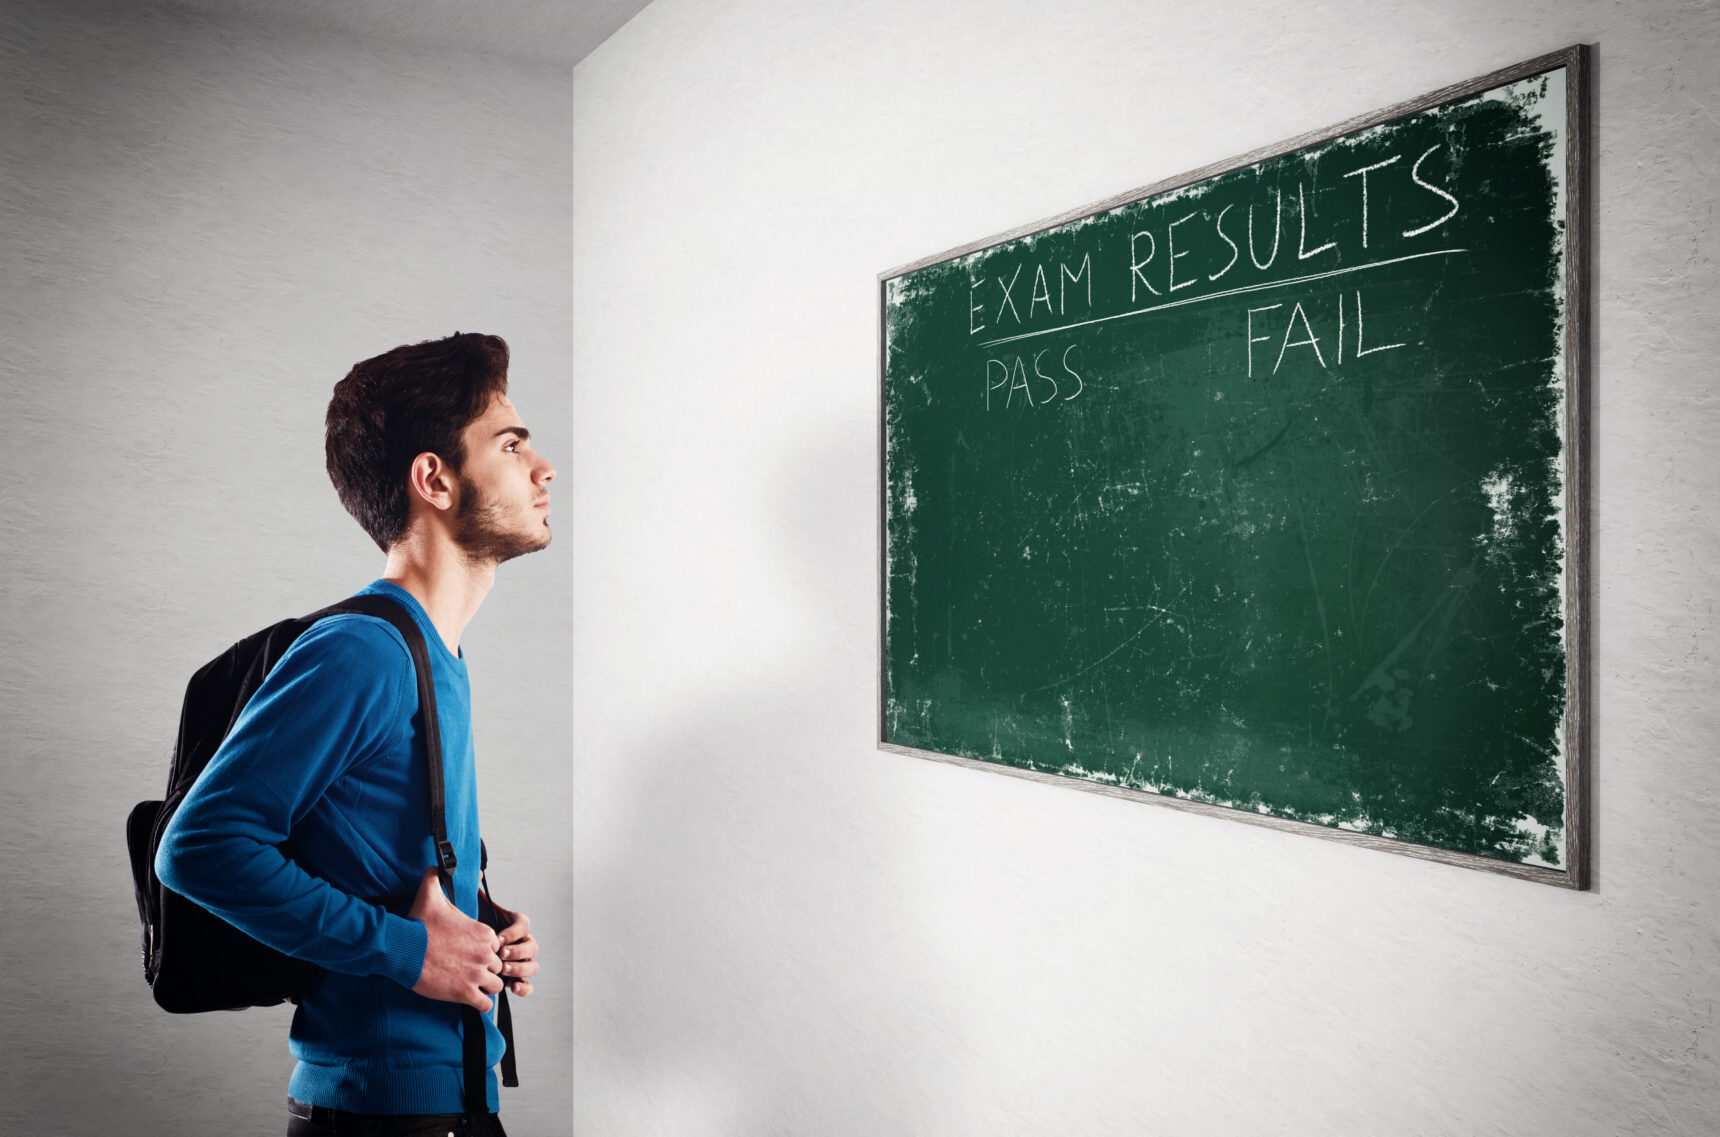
(1577, 60)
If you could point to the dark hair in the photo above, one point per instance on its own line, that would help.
(390, 409)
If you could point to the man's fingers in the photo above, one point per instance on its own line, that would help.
(521, 969)
(521, 987)
(490, 984)
(483, 1003)
(524, 949)
(520, 929)
(429, 896)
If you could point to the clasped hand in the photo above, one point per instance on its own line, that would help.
(466, 961)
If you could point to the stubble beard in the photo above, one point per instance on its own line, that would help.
(480, 535)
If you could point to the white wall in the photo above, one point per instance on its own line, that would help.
(781, 930)
(205, 224)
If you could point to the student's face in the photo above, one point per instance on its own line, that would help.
(504, 488)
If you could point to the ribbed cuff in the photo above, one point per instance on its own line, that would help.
(405, 942)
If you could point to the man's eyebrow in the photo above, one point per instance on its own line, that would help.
(519, 431)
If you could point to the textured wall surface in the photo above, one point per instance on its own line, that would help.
(784, 931)
(204, 227)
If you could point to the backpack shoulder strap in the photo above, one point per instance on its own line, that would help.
(383, 608)
(473, 1055)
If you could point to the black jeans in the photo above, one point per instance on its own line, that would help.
(307, 1121)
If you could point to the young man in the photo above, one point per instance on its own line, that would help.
(428, 454)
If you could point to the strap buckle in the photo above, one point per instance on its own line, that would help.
(445, 855)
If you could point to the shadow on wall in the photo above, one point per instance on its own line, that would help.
(749, 965)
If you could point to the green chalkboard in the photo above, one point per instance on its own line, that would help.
(1259, 492)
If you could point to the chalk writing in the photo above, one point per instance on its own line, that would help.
(1183, 252)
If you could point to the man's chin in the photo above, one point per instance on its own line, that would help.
(500, 552)
(536, 543)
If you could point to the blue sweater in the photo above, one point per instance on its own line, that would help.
(329, 752)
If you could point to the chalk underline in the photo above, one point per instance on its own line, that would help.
(1227, 292)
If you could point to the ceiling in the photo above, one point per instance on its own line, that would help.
(553, 31)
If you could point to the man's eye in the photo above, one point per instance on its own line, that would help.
(513, 444)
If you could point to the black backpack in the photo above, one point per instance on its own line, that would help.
(195, 961)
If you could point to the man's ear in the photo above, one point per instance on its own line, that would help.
(432, 481)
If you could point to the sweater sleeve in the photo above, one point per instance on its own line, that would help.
(327, 705)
